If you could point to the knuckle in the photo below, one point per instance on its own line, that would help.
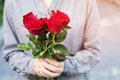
(58, 64)
(39, 74)
(60, 70)
(53, 74)
(55, 70)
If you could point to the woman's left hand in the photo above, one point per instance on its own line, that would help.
(53, 68)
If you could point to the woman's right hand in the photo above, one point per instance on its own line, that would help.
(48, 68)
(38, 66)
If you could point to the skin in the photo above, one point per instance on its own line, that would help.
(48, 68)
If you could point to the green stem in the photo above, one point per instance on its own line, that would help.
(53, 39)
(41, 53)
(37, 42)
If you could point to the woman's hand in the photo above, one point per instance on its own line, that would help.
(48, 68)
(38, 66)
(53, 68)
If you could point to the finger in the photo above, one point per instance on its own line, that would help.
(50, 74)
(53, 68)
(54, 63)
(41, 73)
(55, 60)
(38, 73)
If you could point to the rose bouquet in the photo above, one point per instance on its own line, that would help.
(46, 36)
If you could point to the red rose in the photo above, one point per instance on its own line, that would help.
(33, 24)
(57, 21)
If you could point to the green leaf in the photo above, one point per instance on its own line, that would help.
(59, 57)
(48, 54)
(35, 52)
(69, 54)
(23, 46)
(31, 45)
(26, 46)
(62, 50)
(59, 48)
(61, 36)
